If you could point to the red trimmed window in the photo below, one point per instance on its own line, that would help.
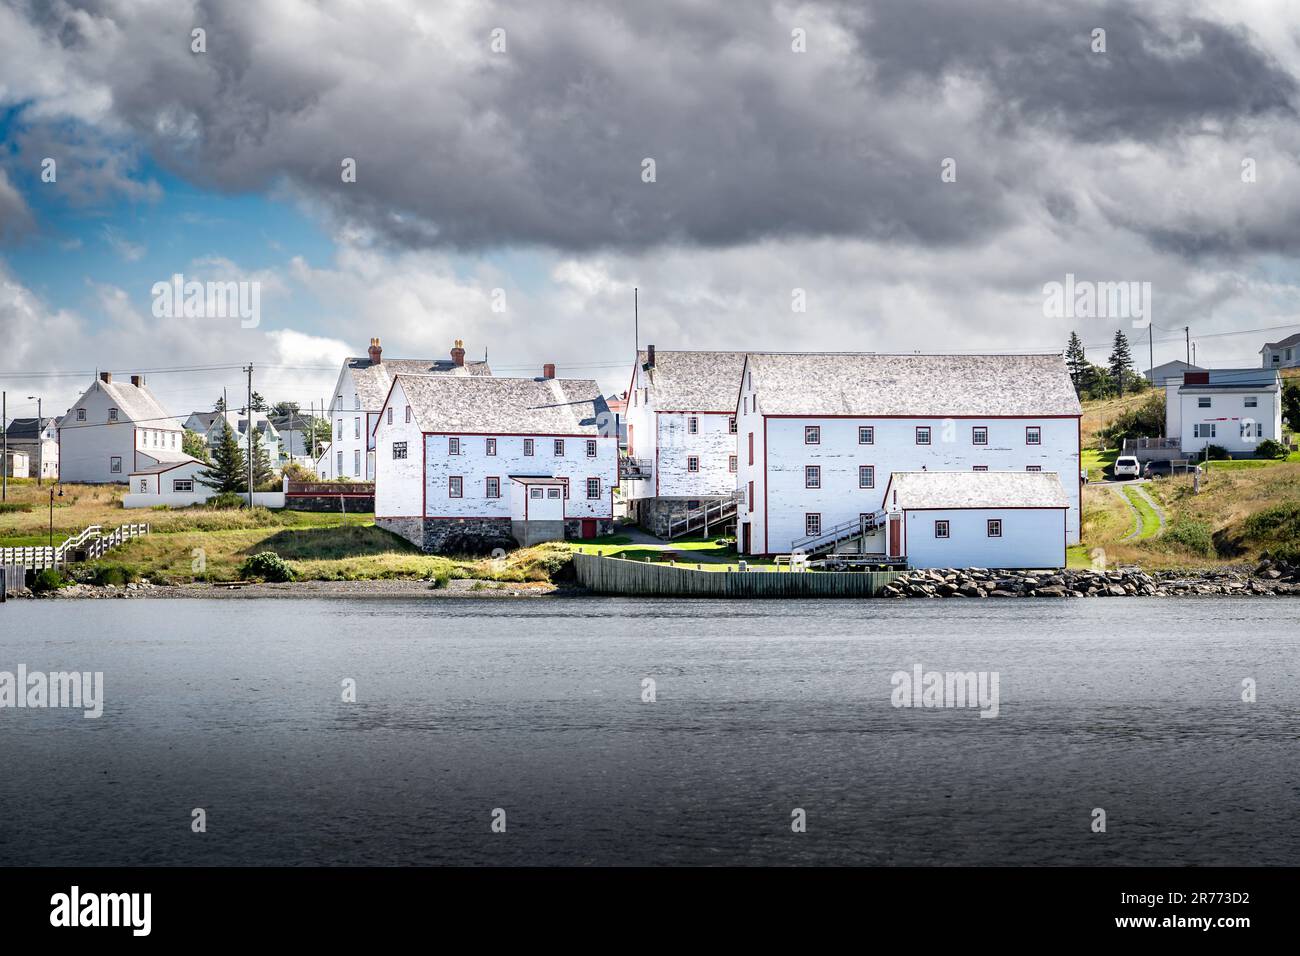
(751, 448)
(731, 425)
(979, 435)
(812, 523)
(866, 476)
(390, 416)
(812, 435)
(593, 489)
(751, 496)
(453, 446)
(692, 463)
(923, 434)
(812, 476)
(492, 487)
(559, 448)
(866, 435)
(528, 447)
(1033, 435)
(731, 464)
(591, 448)
(693, 425)
(455, 486)
(490, 446)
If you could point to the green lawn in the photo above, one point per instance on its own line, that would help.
(1094, 461)
(1150, 520)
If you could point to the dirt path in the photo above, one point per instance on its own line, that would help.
(1137, 516)
(1160, 515)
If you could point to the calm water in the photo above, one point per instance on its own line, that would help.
(535, 707)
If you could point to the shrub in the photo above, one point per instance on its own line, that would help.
(441, 577)
(11, 507)
(296, 471)
(1288, 552)
(1216, 453)
(1147, 420)
(1279, 521)
(266, 565)
(1270, 448)
(49, 579)
(117, 574)
(1194, 536)
(224, 501)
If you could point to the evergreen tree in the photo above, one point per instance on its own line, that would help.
(227, 470)
(1076, 360)
(1121, 363)
(220, 404)
(259, 403)
(262, 471)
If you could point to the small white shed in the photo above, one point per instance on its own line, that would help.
(536, 508)
(977, 519)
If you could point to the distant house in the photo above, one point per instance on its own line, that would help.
(113, 429)
(39, 440)
(1283, 354)
(820, 434)
(209, 426)
(469, 463)
(176, 484)
(16, 464)
(681, 434)
(362, 386)
(977, 519)
(1162, 375)
(1234, 408)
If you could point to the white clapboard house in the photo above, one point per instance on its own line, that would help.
(468, 464)
(362, 385)
(1234, 408)
(681, 439)
(821, 434)
(114, 429)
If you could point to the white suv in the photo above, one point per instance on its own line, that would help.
(1126, 466)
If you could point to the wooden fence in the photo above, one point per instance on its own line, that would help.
(90, 543)
(620, 576)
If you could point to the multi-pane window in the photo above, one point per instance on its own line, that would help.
(995, 527)
(112, 414)
(1033, 467)
(455, 486)
(528, 446)
(812, 524)
(81, 414)
(866, 476)
(490, 446)
(693, 425)
(390, 416)
(923, 434)
(980, 468)
(399, 450)
(866, 435)
(979, 435)
(1203, 431)
(408, 414)
(338, 429)
(1251, 401)
(553, 493)
(812, 476)
(356, 428)
(1033, 435)
(182, 484)
(1252, 429)
(731, 425)
(492, 487)
(559, 448)
(692, 463)
(593, 488)
(812, 435)
(115, 465)
(356, 462)
(731, 464)
(1203, 402)
(591, 448)
(453, 446)
(941, 529)
(339, 469)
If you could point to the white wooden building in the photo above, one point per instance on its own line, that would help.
(820, 434)
(681, 434)
(468, 463)
(116, 428)
(360, 389)
(1281, 354)
(1234, 408)
(976, 519)
(39, 440)
(176, 484)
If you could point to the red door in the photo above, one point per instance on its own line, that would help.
(589, 527)
(745, 540)
(895, 538)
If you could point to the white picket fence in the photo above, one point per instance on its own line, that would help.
(93, 541)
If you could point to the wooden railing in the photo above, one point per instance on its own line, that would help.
(92, 541)
(829, 537)
(713, 512)
(634, 468)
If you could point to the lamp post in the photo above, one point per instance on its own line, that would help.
(40, 441)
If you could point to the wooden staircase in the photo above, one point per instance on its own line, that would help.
(86, 545)
(829, 539)
(713, 513)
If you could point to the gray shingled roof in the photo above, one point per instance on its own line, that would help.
(372, 381)
(693, 381)
(1293, 339)
(135, 404)
(26, 428)
(858, 383)
(1250, 379)
(461, 403)
(977, 489)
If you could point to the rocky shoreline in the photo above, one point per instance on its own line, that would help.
(301, 589)
(1267, 578)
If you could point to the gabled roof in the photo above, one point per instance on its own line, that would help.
(237, 421)
(692, 381)
(868, 383)
(1288, 341)
(372, 381)
(1258, 379)
(976, 489)
(166, 465)
(134, 403)
(461, 403)
(26, 428)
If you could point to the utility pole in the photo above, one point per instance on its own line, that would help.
(1193, 353)
(248, 417)
(636, 324)
(40, 446)
(4, 464)
(1151, 347)
(1187, 334)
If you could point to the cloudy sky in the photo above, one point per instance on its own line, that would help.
(500, 193)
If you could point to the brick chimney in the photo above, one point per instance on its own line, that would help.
(106, 378)
(458, 352)
(548, 370)
(649, 356)
(137, 380)
(376, 353)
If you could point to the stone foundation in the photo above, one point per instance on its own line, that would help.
(573, 527)
(348, 505)
(654, 514)
(453, 536)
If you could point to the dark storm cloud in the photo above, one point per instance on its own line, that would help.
(457, 146)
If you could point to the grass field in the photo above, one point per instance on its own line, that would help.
(1150, 521)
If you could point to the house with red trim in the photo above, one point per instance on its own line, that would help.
(114, 429)
(681, 438)
(466, 464)
(821, 434)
